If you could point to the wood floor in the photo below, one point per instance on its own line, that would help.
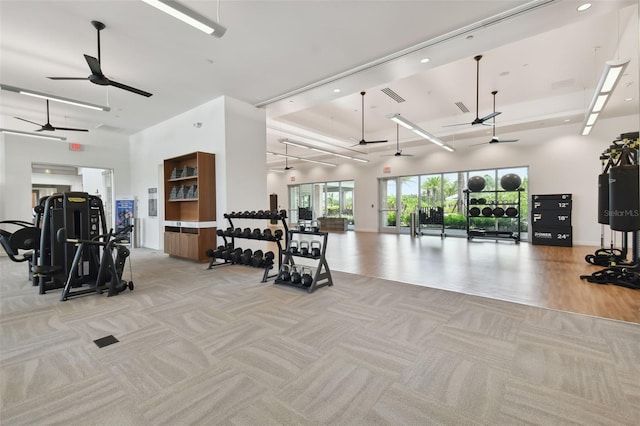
(218, 347)
(543, 276)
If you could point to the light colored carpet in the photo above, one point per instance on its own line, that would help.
(207, 347)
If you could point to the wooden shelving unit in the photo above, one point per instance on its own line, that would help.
(189, 205)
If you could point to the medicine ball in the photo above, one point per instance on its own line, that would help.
(510, 182)
(476, 183)
(498, 212)
(474, 211)
(511, 212)
(487, 212)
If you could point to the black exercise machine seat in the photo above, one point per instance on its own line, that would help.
(25, 238)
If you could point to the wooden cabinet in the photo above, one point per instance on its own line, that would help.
(189, 205)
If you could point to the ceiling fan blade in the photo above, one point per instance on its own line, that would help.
(41, 129)
(508, 140)
(71, 129)
(459, 124)
(129, 88)
(94, 65)
(67, 78)
(368, 142)
(490, 116)
(32, 122)
(481, 143)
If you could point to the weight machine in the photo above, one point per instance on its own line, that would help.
(75, 249)
(619, 207)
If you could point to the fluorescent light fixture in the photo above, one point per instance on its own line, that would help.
(287, 141)
(55, 98)
(301, 159)
(188, 16)
(418, 131)
(32, 135)
(610, 76)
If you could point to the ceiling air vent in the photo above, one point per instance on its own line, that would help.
(462, 107)
(393, 95)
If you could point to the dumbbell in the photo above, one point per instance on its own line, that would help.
(266, 234)
(257, 233)
(246, 256)
(487, 212)
(246, 232)
(293, 246)
(306, 278)
(304, 248)
(260, 214)
(315, 248)
(257, 258)
(482, 201)
(268, 258)
(284, 274)
(226, 215)
(214, 253)
(498, 212)
(273, 214)
(235, 255)
(220, 233)
(283, 214)
(252, 214)
(237, 232)
(296, 276)
(278, 234)
(473, 201)
(314, 226)
(228, 232)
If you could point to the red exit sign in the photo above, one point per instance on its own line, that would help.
(75, 147)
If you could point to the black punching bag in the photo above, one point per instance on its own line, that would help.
(624, 198)
(603, 198)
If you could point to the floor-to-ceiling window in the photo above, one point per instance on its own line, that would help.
(400, 196)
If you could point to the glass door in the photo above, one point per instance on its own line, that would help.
(388, 206)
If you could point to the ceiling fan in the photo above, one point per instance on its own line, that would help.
(478, 120)
(48, 125)
(398, 150)
(362, 141)
(97, 76)
(494, 138)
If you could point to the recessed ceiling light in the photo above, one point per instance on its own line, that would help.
(424, 60)
(336, 90)
(628, 99)
(566, 120)
(583, 7)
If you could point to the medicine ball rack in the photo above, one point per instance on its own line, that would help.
(231, 233)
(312, 248)
(481, 208)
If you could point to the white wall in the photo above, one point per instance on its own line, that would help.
(74, 181)
(232, 130)
(559, 160)
(18, 152)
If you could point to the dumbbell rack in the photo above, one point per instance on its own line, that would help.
(230, 243)
(322, 273)
(493, 234)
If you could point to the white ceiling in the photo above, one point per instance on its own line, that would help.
(289, 56)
